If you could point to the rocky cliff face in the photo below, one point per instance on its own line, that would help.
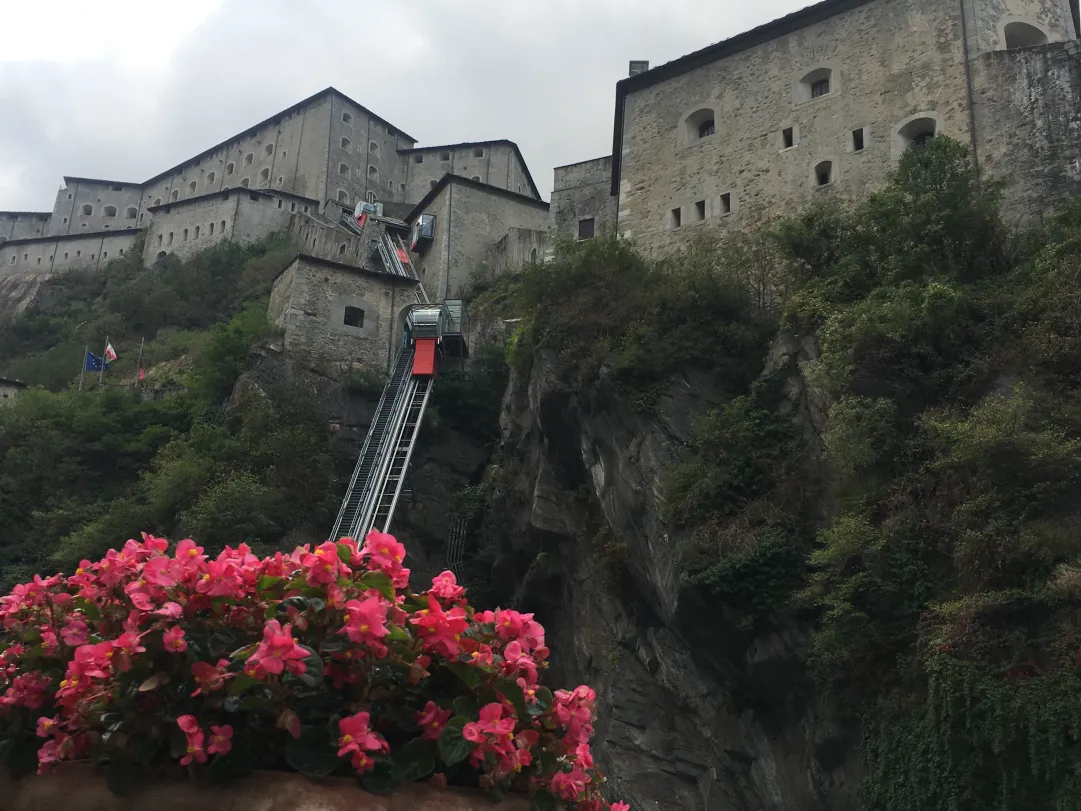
(694, 713)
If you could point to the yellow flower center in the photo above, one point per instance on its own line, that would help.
(347, 738)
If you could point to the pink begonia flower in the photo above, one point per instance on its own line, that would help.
(432, 720)
(278, 651)
(220, 740)
(174, 641)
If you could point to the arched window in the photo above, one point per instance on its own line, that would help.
(341, 249)
(131, 212)
(210, 233)
(192, 186)
(343, 169)
(223, 226)
(157, 201)
(700, 124)
(249, 158)
(371, 197)
(88, 210)
(373, 173)
(170, 240)
(343, 197)
(230, 168)
(185, 234)
(373, 147)
(431, 184)
(916, 132)
(210, 179)
(533, 256)
(197, 232)
(264, 175)
(354, 316)
(175, 195)
(824, 173)
(1022, 35)
(108, 211)
(245, 183)
(268, 150)
(346, 118)
(161, 254)
(814, 85)
(475, 177)
(281, 181)
(346, 143)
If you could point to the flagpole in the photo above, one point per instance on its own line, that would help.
(139, 365)
(101, 374)
(82, 367)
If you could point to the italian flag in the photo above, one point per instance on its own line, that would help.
(110, 353)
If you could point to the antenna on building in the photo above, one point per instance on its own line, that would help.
(639, 66)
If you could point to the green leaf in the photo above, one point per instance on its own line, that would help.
(453, 748)
(382, 779)
(467, 706)
(313, 674)
(312, 754)
(469, 675)
(397, 633)
(90, 611)
(267, 581)
(118, 777)
(544, 800)
(414, 761)
(240, 683)
(345, 554)
(378, 581)
(544, 701)
(514, 693)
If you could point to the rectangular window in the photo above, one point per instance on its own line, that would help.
(726, 203)
(857, 140)
(700, 209)
(586, 228)
(675, 218)
(820, 88)
(788, 138)
(354, 317)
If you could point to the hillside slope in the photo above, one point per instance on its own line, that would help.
(845, 579)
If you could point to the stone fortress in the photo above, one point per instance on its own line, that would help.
(821, 103)
(817, 105)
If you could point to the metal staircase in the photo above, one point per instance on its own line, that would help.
(355, 515)
(391, 490)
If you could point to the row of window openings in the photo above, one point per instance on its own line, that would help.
(347, 118)
(675, 216)
(445, 156)
(78, 255)
(857, 139)
(373, 147)
(184, 234)
(230, 169)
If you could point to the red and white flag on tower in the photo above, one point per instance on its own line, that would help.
(110, 353)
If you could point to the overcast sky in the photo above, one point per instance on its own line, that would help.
(89, 89)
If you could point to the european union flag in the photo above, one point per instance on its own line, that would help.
(93, 363)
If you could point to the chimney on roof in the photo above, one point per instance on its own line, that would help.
(639, 66)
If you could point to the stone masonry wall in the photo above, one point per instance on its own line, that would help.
(23, 224)
(497, 165)
(987, 19)
(469, 221)
(292, 147)
(95, 205)
(891, 61)
(54, 255)
(1029, 125)
(583, 191)
(308, 302)
(519, 247)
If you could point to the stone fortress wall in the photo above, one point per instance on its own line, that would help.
(821, 104)
(325, 149)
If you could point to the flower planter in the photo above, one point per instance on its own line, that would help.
(78, 787)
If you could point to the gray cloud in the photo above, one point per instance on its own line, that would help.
(541, 73)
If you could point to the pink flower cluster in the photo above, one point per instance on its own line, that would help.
(143, 636)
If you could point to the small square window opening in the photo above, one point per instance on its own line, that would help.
(700, 209)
